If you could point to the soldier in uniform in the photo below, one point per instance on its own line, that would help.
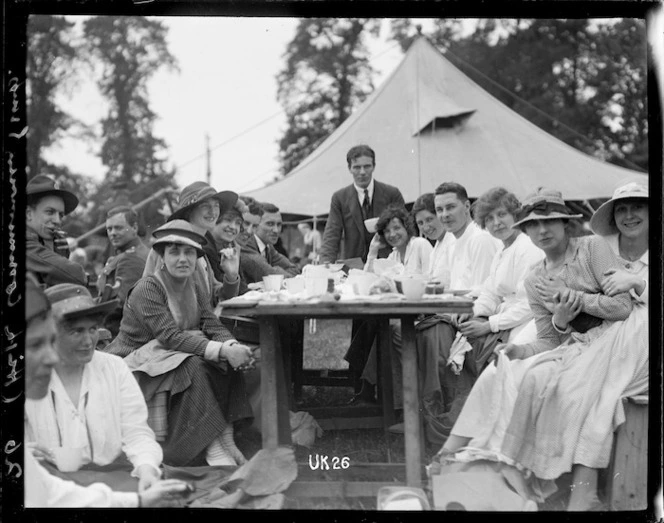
(125, 267)
(47, 252)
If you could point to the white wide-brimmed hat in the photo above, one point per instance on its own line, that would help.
(544, 204)
(602, 222)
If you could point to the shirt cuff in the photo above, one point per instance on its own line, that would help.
(565, 331)
(493, 323)
(213, 351)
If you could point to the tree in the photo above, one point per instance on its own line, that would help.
(51, 56)
(581, 80)
(129, 50)
(327, 74)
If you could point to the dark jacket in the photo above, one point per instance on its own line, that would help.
(253, 265)
(345, 219)
(48, 266)
(126, 267)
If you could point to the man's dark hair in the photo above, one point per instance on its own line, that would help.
(360, 150)
(130, 214)
(269, 207)
(255, 207)
(454, 187)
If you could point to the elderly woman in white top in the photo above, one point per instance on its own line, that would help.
(93, 401)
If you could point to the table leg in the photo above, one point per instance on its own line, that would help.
(384, 356)
(275, 423)
(411, 404)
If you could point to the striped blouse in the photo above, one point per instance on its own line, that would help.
(146, 317)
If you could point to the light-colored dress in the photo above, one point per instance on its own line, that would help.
(561, 406)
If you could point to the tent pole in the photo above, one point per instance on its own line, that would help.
(419, 128)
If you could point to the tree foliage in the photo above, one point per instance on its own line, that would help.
(51, 56)
(582, 81)
(326, 75)
(128, 51)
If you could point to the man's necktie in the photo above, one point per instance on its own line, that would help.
(366, 205)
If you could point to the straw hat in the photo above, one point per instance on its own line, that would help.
(602, 222)
(69, 300)
(181, 232)
(195, 193)
(41, 185)
(543, 204)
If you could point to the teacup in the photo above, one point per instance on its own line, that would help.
(68, 459)
(294, 285)
(315, 286)
(413, 288)
(273, 282)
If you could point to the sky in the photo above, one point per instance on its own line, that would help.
(226, 88)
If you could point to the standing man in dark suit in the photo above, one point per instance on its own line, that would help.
(363, 199)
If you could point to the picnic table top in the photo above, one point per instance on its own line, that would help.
(329, 307)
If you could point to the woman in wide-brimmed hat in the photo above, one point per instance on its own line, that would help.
(591, 350)
(186, 362)
(41, 489)
(93, 402)
(202, 206)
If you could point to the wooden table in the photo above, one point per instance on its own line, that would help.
(274, 396)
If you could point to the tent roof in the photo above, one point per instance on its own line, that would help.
(429, 123)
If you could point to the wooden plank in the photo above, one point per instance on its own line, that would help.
(411, 404)
(355, 411)
(337, 423)
(627, 483)
(334, 309)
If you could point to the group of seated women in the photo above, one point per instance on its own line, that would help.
(560, 321)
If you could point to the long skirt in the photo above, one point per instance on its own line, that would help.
(202, 400)
(570, 404)
(558, 408)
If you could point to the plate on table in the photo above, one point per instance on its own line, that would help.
(239, 302)
(257, 286)
(334, 267)
(457, 292)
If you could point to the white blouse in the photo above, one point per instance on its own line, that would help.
(503, 297)
(109, 418)
(417, 257)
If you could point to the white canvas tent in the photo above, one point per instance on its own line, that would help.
(429, 123)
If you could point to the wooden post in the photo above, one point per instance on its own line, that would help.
(411, 404)
(275, 423)
(627, 482)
